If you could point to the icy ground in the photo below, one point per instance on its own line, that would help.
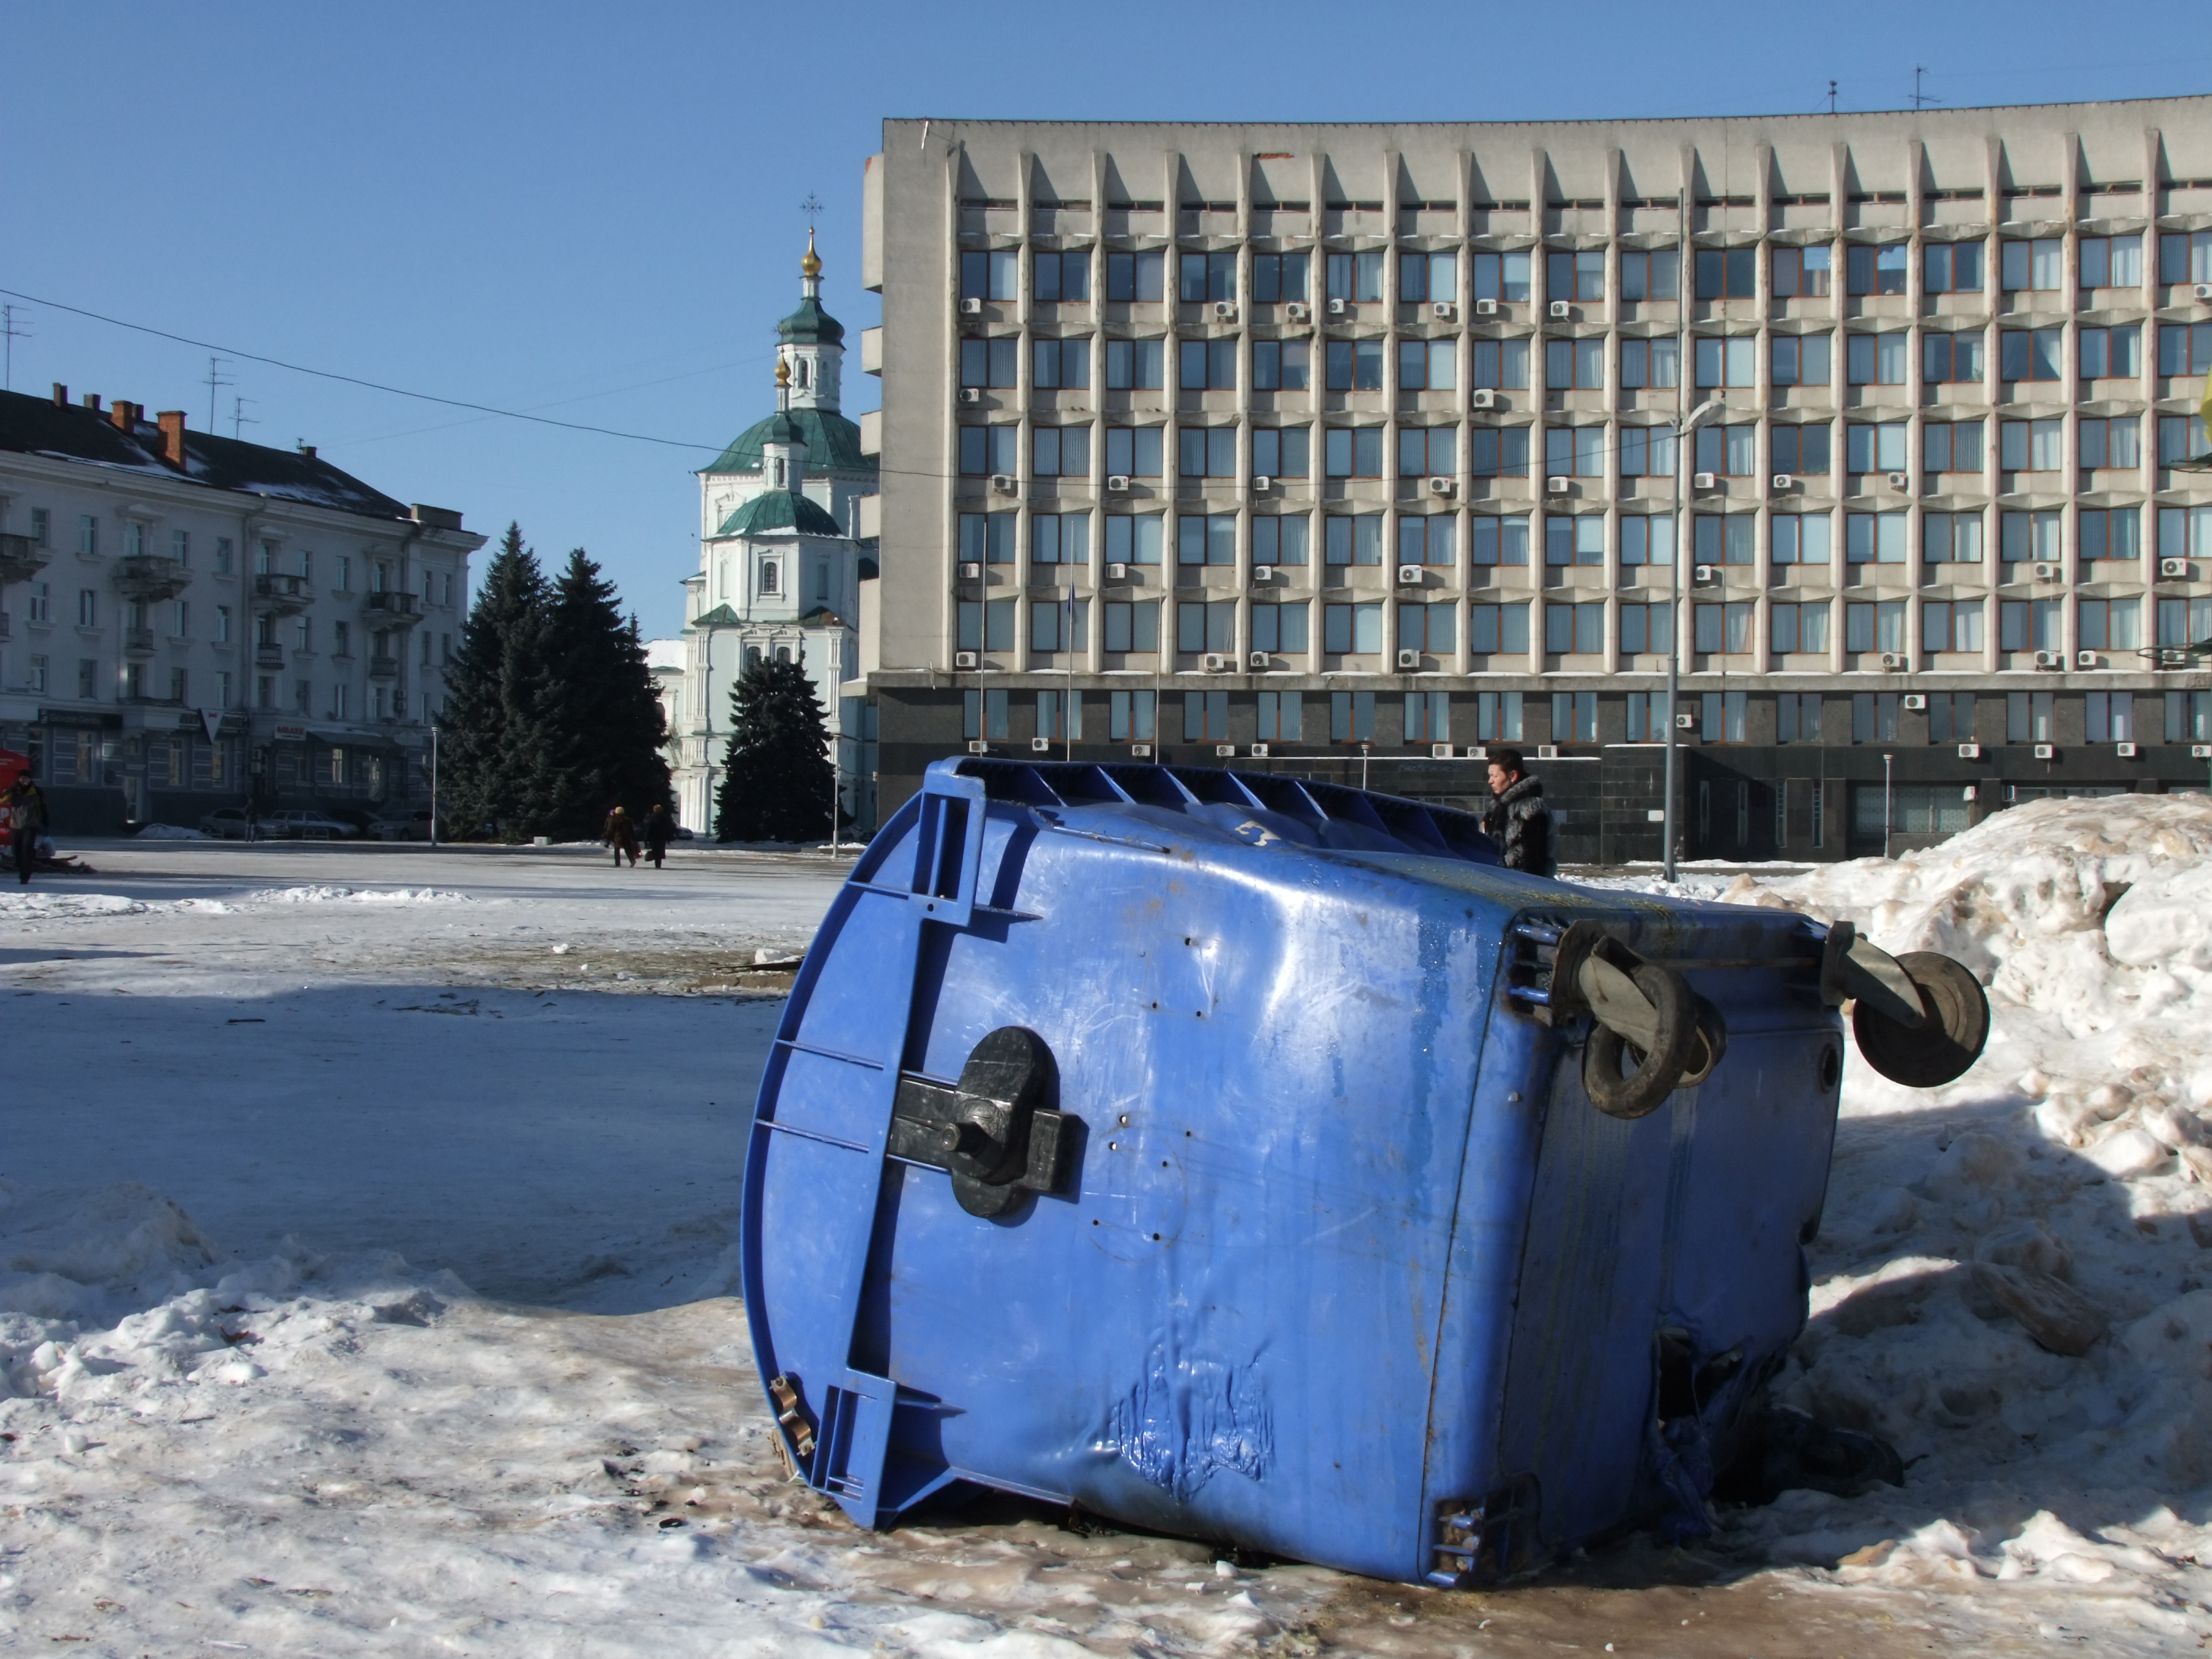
(385, 1274)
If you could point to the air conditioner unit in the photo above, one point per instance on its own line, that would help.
(1441, 486)
(1482, 397)
(1299, 311)
(1970, 792)
(1225, 311)
(1970, 751)
(1409, 660)
(1548, 751)
(1255, 660)
(2200, 751)
(1141, 751)
(1898, 480)
(1915, 701)
(1557, 486)
(1259, 751)
(1336, 308)
(971, 307)
(1705, 481)
(1704, 574)
(971, 394)
(1117, 573)
(1040, 745)
(977, 746)
(2050, 573)
(1895, 662)
(2085, 660)
(966, 660)
(2203, 290)
(1409, 575)
(2177, 568)
(1485, 308)
(1784, 483)
(1440, 752)
(1443, 310)
(1262, 484)
(2125, 750)
(1685, 722)
(2051, 660)
(971, 572)
(1117, 483)
(1217, 663)
(1263, 575)
(1560, 310)
(1002, 483)
(2047, 751)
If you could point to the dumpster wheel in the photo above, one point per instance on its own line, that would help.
(1653, 1075)
(1956, 1024)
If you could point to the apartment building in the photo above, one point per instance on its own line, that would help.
(1351, 450)
(189, 621)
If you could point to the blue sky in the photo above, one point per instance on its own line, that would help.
(593, 212)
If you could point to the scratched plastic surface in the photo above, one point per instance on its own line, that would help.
(1342, 1249)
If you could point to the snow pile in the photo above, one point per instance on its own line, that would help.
(171, 832)
(2010, 1277)
(322, 894)
(33, 906)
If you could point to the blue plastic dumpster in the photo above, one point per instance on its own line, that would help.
(1218, 1152)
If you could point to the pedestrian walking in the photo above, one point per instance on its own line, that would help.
(659, 830)
(26, 822)
(621, 835)
(1516, 818)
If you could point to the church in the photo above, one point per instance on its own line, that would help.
(779, 568)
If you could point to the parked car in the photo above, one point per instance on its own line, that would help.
(416, 826)
(225, 823)
(307, 826)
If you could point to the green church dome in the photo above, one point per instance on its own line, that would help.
(833, 444)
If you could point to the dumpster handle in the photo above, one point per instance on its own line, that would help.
(949, 851)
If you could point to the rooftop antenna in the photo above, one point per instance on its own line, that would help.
(238, 418)
(1921, 99)
(215, 380)
(1831, 97)
(11, 332)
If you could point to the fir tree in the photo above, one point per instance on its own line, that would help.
(776, 774)
(604, 726)
(491, 756)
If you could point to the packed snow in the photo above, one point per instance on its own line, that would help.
(364, 1257)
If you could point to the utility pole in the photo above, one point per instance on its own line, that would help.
(1685, 426)
(215, 381)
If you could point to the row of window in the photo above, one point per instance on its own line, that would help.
(139, 541)
(139, 682)
(139, 616)
(2025, 265)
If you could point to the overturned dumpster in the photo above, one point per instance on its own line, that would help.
(1257, 1160)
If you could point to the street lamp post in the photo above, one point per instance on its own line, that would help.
(1676, 636)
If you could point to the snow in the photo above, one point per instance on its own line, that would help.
(170, 832)
(365, 1271)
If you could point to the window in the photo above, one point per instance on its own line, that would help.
(1578, 363)
(1502, 365)
(2028, 716)
(1129, 716)
(1874, 447)
(1351, 628)
(180, 616)
(985, 538)
(1282, 364)
(1952, 359)
(1647, 452)
(1575, 276)
(41, 601)
(1430, 629)
(1647, 717)
(1578, 629)
(2185, 347)
(42, 527)
(1208, 365)
(1574, 451)
(1801, 449)
(1877, 359)
(1206, 538)
(1064, 276)
(1799, 628)
(1721, 540)
(303, 693)
(1428, 277)
(1800, 359)
(1574, 717)
(1497, 717)
(1355, 365)
(990, 362)
(1208, 452)
(1132, 626)
(2188, 716)
(1131, 276)
(988, 449)
(1951, 538)
(1280, 540)
(1281, 716)
(1055, 539)
(87, 535)
(1875, 269)
(1353, 452)
(1060, 624)
(1951, 267)
(1951, 626)
(2111, 624)
(2040, 264)
(1727, 273)
(87, 677)
(1801, 272)
(2031, 446)
(1431, 540)
(2111, 261)
(2115, 442)
(1874, 720)
(1731, 451)
(1646, 539)
(37, 673)
(1495, 540)
(2026, 536)
(2184, 622)
(1724, 717)
(1351, 717)
(1650, 363)
(1429, 365)
(1721, 627)
(2025, 354)
(1134, 537)
(998, 624)
(2185, 257)
(1502, 276)
(264, 691)
(1279, 628)
(1427, 452)
(1731, 361)
(87, 607)
(1059, 452)
(1874, 538)
(995, 275)
(1428, 717)
(2111, 354)
(1282, 452)
(1278, 276)
(265, 559)
(1498, 629)
(1134, 365)
(1653, 276)
(2185, 532)
(1358, 276)
(1579, 540)
(1133, 451)
(2111, 716)
(222, 555)
(984, 716)
(1057, 364)
(1646, 628)
(1951, 447)
(134, 539)
(1354, 540)
(1498, 451)
(2177, 438)
(1951, 717)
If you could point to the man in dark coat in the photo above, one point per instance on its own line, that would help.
(659, 830)
(27, 822)
(1516, 818)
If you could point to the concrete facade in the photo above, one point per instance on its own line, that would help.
(1941, 556)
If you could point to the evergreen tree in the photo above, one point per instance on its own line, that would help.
(604, 725)
(490, 750)
(776, 774)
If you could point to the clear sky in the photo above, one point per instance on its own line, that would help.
(594, 212)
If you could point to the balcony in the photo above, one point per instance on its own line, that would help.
(268, 656)
(384, 668)
(392, 608)
(138, 641)
(283, 596)
(147, 576)
(21, 559)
